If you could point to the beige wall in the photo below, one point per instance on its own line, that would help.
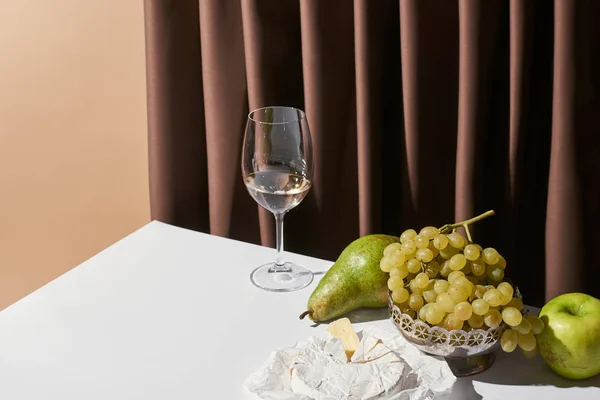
(73, 163)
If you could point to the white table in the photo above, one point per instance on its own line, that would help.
(168, 313)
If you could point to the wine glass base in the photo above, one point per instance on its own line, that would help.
(288, 278)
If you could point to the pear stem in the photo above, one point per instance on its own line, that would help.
(305, 313)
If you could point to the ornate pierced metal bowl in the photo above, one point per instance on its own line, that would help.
(466, 352)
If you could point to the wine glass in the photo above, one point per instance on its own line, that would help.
(277, 168)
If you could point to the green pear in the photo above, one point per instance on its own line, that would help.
(355, 280)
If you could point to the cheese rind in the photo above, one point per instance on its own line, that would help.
(342, 329)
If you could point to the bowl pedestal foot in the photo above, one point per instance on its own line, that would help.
(470, 365)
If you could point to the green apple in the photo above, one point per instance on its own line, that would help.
(570, 341)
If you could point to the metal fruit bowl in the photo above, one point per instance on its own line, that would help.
(466, 352)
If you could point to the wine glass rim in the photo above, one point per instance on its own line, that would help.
(301, 115)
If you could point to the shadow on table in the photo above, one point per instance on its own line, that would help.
(368, 315)
(363, 315)
(463, 387)
(517, 370)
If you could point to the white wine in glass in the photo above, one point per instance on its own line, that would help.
(277, 168)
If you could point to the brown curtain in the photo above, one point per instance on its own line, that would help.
(422, 112)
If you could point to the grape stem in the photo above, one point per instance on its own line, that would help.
(468, 234)
(465, 224)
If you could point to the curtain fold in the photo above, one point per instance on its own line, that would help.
(368, 58)
(422, 112)
(428, 40)
(176, 124)
(273, 67)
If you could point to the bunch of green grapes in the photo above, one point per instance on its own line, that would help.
(441, 277)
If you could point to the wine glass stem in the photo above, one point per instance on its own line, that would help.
(279, 262)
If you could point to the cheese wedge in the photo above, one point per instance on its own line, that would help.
(342, 329)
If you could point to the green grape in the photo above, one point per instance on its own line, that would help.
(434, 251)
(473, 280)
(457, 262)
(479, 291)
(390, 248)
(429, 232)
(414, 288)
(414, 266)
(478, 267)
(403, 270)
(397, 257)
(445, 302)
(476, 321)
(524, 327)
(448, 252)
(435, 314)
(429, 296)
(408, 235)
(399, 272)
(415, 302)
(505, 300)
(458, 293)
(463, 281)
(452, 322)
(463, 310)
(516, 303)
(454, 275)
(526, 342)
(421, 242)
(471, 252)
(441, 286)
(440, 242)
(409, 247)
(404, 308)
(395, 282)
(445, 271)
(530, 354)
(409, 256)
(492, 318)
(501, 263)
(424, 255)
(467, 268)
(423, 312)
(511, 316)
(480, 307)
(386, 264)
(457, 240)
(482, 281)
(421, 280)
(537, 325)
(493, 297)
(432, 269)
(495, 273)
(509, 340)
(490, 256)
(507, 290)
(400, 295)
